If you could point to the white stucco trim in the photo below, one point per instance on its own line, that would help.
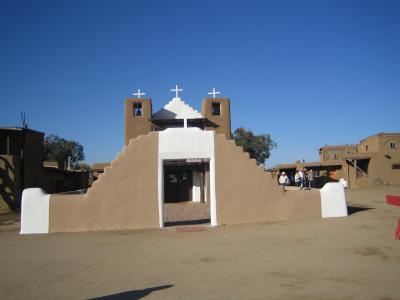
(34, 211)
(160, 189)
(333, 200)
(177, 109)
(213, 194)
(184, 143)
(196, 186)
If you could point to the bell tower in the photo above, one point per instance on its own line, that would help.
(218, 112)
(138, 113)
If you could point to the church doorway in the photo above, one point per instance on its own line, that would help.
(186, 192)
(178, 185)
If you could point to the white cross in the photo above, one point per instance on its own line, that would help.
(138, 94)
(214, 93)
(177, 90)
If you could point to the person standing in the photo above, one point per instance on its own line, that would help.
(297, 178)
(284, 179)
(302, 179)
(310, 177)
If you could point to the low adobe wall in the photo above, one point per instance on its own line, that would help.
(124, 196)
(128, 194)
(246, 193)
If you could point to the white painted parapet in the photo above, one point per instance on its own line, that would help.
(34, 211)
(333, 200)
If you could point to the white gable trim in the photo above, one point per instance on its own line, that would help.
(177, 109)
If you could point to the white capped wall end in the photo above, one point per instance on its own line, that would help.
(333, 200)
(34, 211)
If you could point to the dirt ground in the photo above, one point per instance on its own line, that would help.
(186, 213)
(354, 257)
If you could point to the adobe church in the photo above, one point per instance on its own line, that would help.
(177, 154)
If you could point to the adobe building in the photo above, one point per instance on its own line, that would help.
(97, 169)
(374, 161)
(176, 154)
(22, 166)
(21, 156)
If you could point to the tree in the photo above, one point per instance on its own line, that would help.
(258, 146)
(59, 149)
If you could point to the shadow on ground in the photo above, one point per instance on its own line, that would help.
(191, 222)
(136, 294)
(356, 209)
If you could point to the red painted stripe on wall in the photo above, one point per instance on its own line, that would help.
(393, 200)
(397, 232)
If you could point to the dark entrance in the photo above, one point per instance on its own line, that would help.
(185, 192)
(178, 184)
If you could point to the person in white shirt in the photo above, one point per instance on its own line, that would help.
(302, 179)
(284, 179)
(310, 177)
(297, 179)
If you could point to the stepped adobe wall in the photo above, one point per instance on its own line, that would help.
(246, 193)
(124, 196)
(128, 194)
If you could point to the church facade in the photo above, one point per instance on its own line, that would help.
(177, 154)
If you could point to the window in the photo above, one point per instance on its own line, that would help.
(366, 148)
(362, 167)
(216, 108)
(333, 155)
(7, 145)
(396, 166)
(4, 145)
(137, 109)
(392, 145)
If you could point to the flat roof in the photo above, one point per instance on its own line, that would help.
(339, 146)
(357, 156)
(355, 145)
(20, 129)
(308, 164)
(100, 166)
(380, 134)
(59, 170)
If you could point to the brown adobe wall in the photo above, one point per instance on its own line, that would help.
(380, 171)
(223, 121)
(380, 168)
(371, 142)
(379, 142)
(246, 193)
(342, 173)
(326, 154)
(137, 125)
(124, 196)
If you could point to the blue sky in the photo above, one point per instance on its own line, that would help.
(309, 73)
